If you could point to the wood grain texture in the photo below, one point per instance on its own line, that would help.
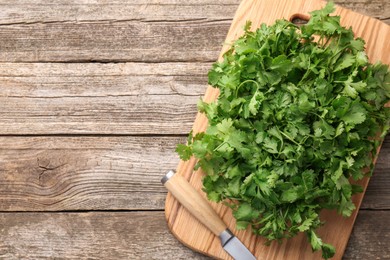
(27, 11)
(378, 193)
(152, 31)
(139, 235)
(58, 95)
(125, 98)
(109, 173)
(40, 11)
(84, 173)
(266, 11)
(116, 235)
(119, 41)
(367, 232)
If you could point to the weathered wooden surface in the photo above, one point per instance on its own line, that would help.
(94, 96)
(94, 235)
(370, 239)
(137, 31)
(109, 173)
(27, 11)
(139, 235)
(84, 173)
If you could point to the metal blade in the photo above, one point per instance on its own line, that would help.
(234, 246)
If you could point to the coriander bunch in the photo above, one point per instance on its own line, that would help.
(298, 117)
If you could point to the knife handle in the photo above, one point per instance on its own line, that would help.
(190, 198)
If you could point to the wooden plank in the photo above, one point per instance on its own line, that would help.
(91, 98)
(84, 173)
(115, 31)
(179, 220)
(109, 173)
(379, 9)
(378, 193)
(95, 235)
(140, 235)
(133, 40)
(370, 238)
(27, 11)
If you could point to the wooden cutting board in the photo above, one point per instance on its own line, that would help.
(337, 229)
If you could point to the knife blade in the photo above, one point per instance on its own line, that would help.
(190, 198)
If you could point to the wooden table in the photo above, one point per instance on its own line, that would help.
(94, 97)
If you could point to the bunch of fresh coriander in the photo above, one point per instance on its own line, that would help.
(300, 113)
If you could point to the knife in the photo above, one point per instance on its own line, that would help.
(182, 190)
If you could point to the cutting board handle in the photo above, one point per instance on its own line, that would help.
(300, 17)
(191, 199)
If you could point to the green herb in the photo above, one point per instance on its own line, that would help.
(296, 119)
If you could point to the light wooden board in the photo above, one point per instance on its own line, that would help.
(193, 234)
(132, 235)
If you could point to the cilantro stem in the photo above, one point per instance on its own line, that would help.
(306, 73)
(289, 138)
(244, 82)
(219, 146)
(317, 115)
(327, 41)
(281, 30)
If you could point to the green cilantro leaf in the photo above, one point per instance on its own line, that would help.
(185, 152)
(355, 115)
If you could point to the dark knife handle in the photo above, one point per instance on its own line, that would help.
(190, 198)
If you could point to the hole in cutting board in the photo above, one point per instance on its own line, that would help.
(299, 19)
